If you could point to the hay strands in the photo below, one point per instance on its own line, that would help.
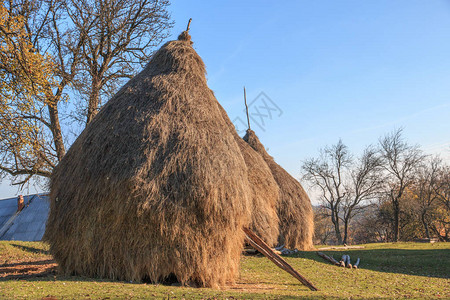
(262, 247)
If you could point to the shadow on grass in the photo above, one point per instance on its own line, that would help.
(427, 262)
(39, 270)
(27, 263)
(46, 270)
(31, 249)
(27, 270)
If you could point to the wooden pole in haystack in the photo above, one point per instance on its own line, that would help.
(188, 25)
(262, 247)
(246, 108)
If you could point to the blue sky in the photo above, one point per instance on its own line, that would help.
(337, 69)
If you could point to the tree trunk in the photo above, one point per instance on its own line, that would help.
(396, 228)
(94, 101)
(425, 226)
(56, 131)
(337, 230)
(345, 232)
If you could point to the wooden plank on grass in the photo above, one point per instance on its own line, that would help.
(262, 247)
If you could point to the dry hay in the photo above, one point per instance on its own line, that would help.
(156, 185)
(294, 207)
(264, 190)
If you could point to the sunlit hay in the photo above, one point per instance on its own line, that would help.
(294, 207)
(264, 189)
(156, 185)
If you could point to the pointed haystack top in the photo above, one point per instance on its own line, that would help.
(184, 36)
(156, 184)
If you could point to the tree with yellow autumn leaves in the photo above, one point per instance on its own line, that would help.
(26, 84)
(59, 61)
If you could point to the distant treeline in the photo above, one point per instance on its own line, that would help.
(392, 192)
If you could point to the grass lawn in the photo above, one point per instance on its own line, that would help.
(397, 270)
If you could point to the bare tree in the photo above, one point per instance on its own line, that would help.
(120, 37)
(326, 173)
(93, 46)
(441, 215)
(370, 228)
(400, 160)
(424, 190)
(346, 184)
(442, 187)
(323, 229)
(364, 184)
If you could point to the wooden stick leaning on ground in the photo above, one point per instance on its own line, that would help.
(345, 261)
(262, 247)
(342, 247)
(329, 258)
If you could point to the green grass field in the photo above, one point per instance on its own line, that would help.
(400, 270)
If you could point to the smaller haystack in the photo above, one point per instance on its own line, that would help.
(264, 189)
(294, 206)
(263, 196)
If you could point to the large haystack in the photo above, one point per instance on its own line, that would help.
(264, 189)
(156, 184)
(294, 207)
